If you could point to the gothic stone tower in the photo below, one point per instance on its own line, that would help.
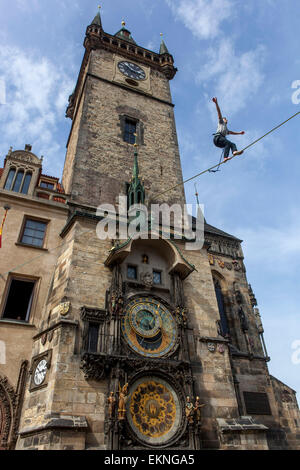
(132, 333)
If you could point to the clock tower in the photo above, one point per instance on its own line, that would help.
(143, 344)
(122, 89)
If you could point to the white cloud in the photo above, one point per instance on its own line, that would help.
(202, 17)
(235, 78)
(267, 244)
(36, 95)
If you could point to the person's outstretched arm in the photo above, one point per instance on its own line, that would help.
(215, 100)
(236, 133)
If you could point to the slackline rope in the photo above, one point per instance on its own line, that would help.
(219, 164)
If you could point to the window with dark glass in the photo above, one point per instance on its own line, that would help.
(257, 403)
(34, 233)
(19, 300)
(26, 183)
(18, 181)
(10, 178)
(129, 131)
(132, 272)
(223, 318)
(157, 279)
(45, 184)
(93, 337)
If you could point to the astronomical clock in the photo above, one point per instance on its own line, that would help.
(154, 410)
(140, 344)
(149, 328)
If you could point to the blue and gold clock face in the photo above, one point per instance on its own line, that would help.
(149, 328)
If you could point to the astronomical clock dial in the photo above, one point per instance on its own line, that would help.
(153, 410)
(149, 328)
(132, 70)
(40, 372)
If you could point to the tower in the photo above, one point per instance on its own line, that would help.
(122, 89)
(141, 343)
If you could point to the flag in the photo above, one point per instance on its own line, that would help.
(2, 225)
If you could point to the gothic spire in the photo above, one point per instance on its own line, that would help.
(136, 190)
(97, 20)
(163, 48)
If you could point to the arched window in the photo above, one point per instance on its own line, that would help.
(220, 299)
(10, 178)
(18, 181)
(26, 183)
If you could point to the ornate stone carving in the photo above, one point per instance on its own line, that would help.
(147, 279)
(8, 401)
(64, 308)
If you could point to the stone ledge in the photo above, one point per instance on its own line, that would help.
(244, 423)
(62, 422)
(56, 325)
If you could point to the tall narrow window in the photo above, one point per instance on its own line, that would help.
(10, 178)
(93, 337)
(19, 300)
(129, 131)
(18, 181)
(223, 318)
(26, 183)
(34, 233)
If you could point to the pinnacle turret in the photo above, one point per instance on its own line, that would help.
(163, 48)
(97, 20)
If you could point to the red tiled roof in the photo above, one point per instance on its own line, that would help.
(51, 177)
(1, 171)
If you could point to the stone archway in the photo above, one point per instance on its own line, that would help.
(7, 407)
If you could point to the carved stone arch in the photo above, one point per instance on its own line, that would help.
(7, 411)
(176, 262)
(218, 278)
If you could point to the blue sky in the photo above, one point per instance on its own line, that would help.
(246, 54)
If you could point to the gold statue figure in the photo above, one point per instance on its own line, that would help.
(123, 397)
(189, 410)
(197, 410)
(111, 404)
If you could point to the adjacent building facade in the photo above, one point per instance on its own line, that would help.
(133, 343)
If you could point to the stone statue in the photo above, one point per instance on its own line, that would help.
(197, 410)
(243, 319)
(189, 410)
(119, 306)
(123, 397)
(111, 404)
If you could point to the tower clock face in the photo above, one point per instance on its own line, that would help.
(153, 410)
(132, 70)
(40, 372)
(149, 328)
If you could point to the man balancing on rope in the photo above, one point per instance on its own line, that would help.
(220, 140)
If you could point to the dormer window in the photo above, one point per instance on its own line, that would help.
(18, 181)
(47, 185)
